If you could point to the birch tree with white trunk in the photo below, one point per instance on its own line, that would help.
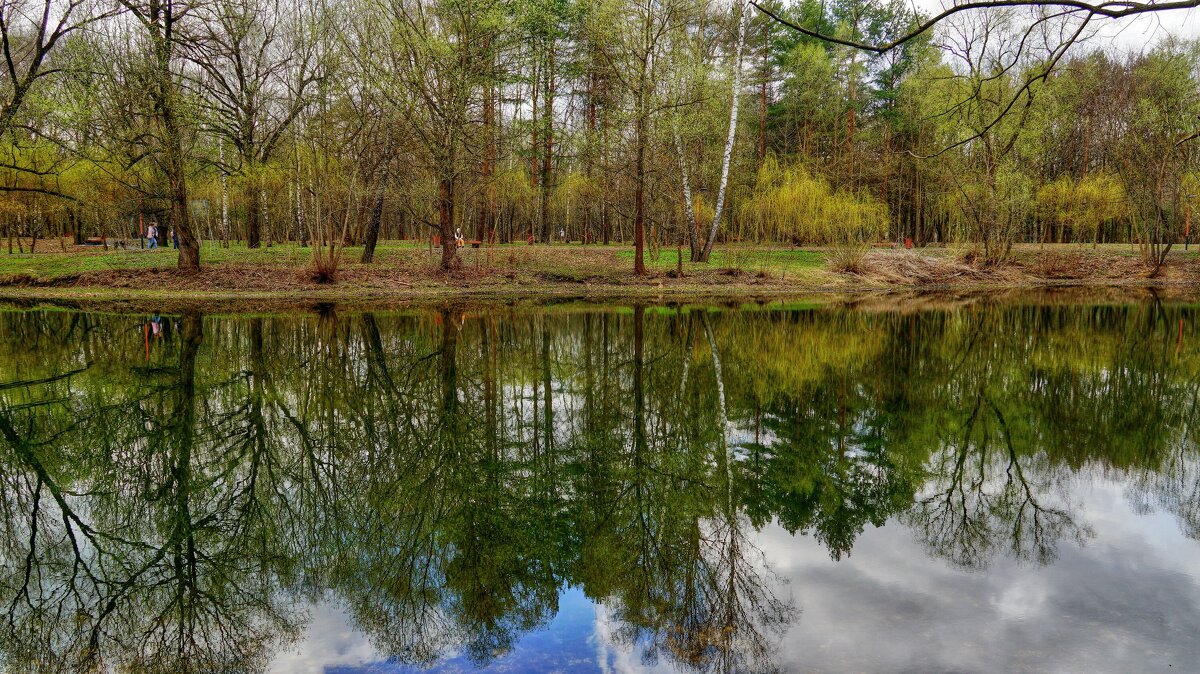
(689, 210)
(744, 14)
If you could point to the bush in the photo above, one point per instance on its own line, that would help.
(326, 260)
(848, 257)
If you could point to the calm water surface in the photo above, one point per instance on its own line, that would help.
(991, 488)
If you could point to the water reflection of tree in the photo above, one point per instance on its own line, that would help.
(823, 461)
(983, 497)
(445, 475)
(1033, 397)
(694, 590)
(132, 558)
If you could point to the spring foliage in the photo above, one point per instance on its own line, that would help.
(790, 203)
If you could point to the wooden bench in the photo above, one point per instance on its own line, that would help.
(94, 241)
(475, 244)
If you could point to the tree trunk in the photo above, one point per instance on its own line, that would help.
(762, 119)
(639, 214)
(689, 210)
(486, 222)
(548, 139)
(728, 156)
(372, 236)
(164, 93)
(446, 223)
(534, 147)
(76, 226)
(253, 212)
(224, 193)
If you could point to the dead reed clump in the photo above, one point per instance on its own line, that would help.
(908, 268)
(847, 259)
(25, 280)
(1056, 266)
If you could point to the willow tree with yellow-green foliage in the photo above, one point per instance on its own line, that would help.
(789, 203)
(1082, 207)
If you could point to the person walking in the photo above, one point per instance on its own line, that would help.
(174, 236)
(152, 235)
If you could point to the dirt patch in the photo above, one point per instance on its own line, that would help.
(229, 277)
(1066, 265)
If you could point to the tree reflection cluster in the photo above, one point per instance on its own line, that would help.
(172, 503)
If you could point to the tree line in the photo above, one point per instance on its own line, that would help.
(656, 122)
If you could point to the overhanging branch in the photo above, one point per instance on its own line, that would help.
(1111, 10)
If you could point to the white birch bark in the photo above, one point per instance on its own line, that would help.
(722, 409)
(263, 218)
(688, 207)
(733, 115)
(224, 195)
(301, 226)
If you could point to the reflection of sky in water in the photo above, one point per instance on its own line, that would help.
(566, 644)
(1129, 601)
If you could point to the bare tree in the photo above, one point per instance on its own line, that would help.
(165, 135)
(31, 33)
(429, 63)
(259, 63)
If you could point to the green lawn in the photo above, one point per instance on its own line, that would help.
(775, 261)
(50, 261)
(571, 260)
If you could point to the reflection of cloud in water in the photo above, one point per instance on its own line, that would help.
(612, 657)
(1126, 602)
(329, 641)
(331, 646)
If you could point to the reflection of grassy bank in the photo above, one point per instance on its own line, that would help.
(404, 271)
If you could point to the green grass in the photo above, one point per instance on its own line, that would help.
(51, 262)
(595, 263)
(774, 261)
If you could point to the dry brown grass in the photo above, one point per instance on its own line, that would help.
(1077, 265)
(910, 268)
(847, 259)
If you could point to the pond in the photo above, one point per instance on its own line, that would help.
(956, 487)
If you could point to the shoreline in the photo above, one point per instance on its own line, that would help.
(279, 278)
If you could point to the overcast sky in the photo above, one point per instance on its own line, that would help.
(1130, 34)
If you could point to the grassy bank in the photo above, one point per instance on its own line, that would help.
(409, 271)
